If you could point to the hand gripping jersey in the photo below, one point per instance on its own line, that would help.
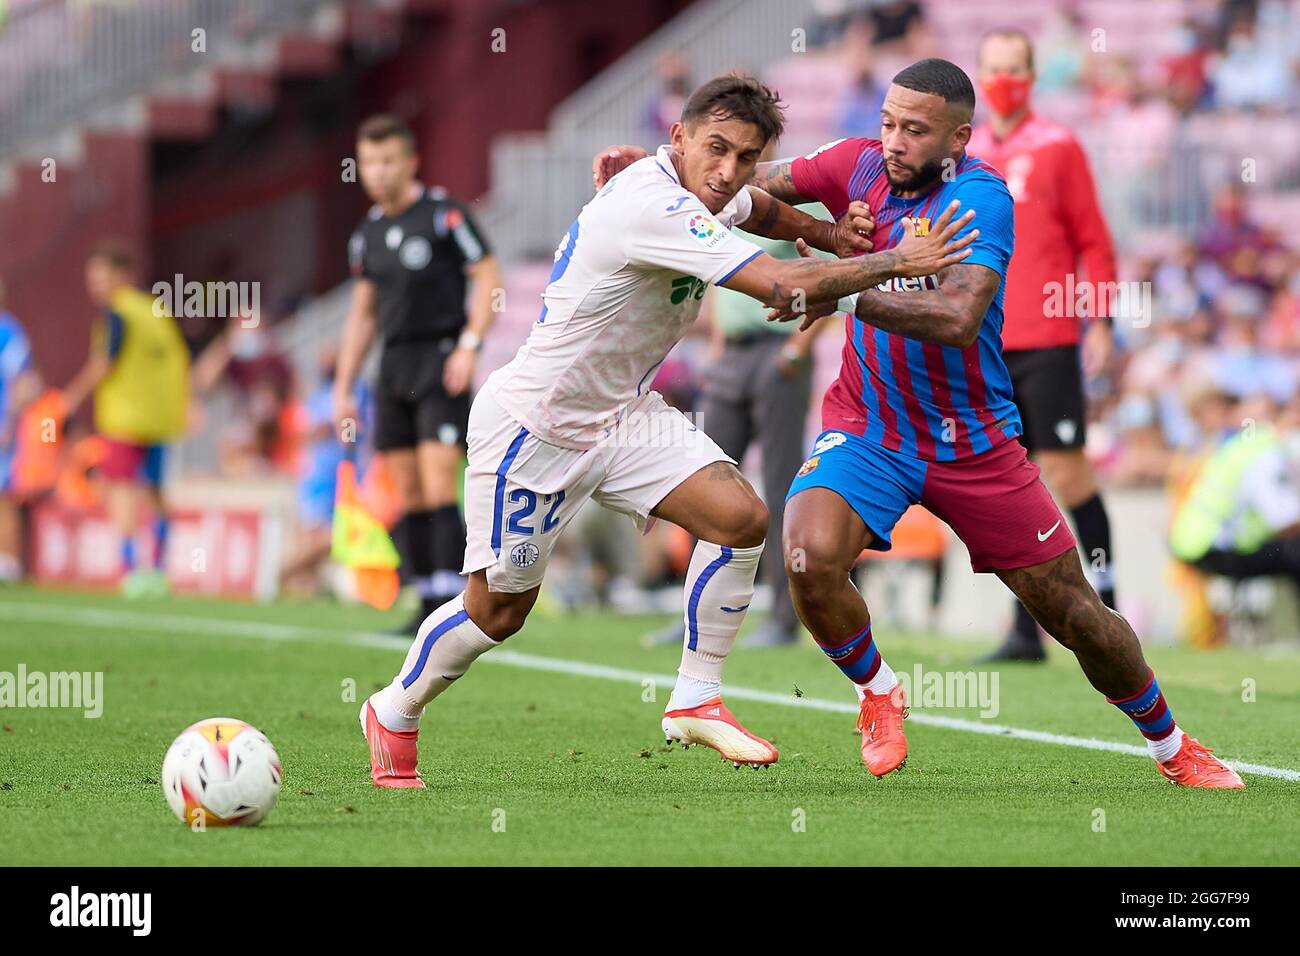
(924, 400)
(627, 282)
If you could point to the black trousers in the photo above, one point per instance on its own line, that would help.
(1277, 558)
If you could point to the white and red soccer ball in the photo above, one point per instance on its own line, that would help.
(221, 772)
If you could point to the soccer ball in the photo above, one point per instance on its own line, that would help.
(221, 772)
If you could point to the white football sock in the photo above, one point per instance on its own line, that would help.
(884, 680)
(719, 587)
(1164, 750)
(690, 692)
(444, 647)
(882, 683)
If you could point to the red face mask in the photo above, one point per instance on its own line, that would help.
(1006, 93)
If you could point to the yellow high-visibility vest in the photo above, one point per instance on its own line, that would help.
(144, 397)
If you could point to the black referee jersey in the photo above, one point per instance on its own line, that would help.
(417, 261)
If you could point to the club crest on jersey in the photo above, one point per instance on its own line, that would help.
(809, 466)
(415, 253)
(705, 230)
(921, 226)
(524, 555)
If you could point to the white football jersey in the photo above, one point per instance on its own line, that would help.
(627, 283)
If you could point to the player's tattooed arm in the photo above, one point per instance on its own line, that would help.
(774, 179)
(777, 220)
(949, 315)
(790, 286)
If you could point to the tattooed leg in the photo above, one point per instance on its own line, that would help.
(1065, 604)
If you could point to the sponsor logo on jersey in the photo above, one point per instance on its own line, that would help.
(911, 284)
(684, 287)
(415, 253)
(809, 466)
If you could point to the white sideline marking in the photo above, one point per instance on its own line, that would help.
(171, 623)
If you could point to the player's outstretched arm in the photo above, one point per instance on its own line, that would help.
(775, 219)
(789, 286)
(949, 315)
(358, 333)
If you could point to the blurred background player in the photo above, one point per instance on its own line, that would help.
(1240, 518)
(412, 257)
(138, 372)
(1059, 228)
(18, 386)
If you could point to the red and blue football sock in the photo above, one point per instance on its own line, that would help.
(860, 661)
(1154, 720)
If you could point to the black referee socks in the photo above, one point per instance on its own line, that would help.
(432, 547)
(1093, 527)
(448, 551)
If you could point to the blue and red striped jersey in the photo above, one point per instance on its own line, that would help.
(933, 402)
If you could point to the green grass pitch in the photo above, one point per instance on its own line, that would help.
(575, 767)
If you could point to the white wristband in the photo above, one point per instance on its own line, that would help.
(848, 304)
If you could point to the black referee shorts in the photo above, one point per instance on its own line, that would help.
(1048, 390)
(411, 405)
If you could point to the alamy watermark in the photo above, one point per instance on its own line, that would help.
(662, 428)
(1128, 303)
(74, 690)
(209, 300)
(956, 689)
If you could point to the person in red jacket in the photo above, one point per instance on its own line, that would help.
(1062, 246)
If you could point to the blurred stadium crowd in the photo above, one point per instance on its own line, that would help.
(1222, 330)
(1226, 294)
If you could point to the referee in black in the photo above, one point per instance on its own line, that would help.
(412, 257)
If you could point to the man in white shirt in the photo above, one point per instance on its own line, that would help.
(572, 416)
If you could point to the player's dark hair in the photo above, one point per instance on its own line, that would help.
(939, 78)
(386, 126)
(115, 253)
(1014, 33)
(736, 96)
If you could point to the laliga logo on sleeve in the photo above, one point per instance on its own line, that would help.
(705, 230)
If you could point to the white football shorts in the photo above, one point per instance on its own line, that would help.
(521, 492)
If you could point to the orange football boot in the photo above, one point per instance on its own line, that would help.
(1196, 766)
(713, 725)
(880, 719)
(392, 752)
